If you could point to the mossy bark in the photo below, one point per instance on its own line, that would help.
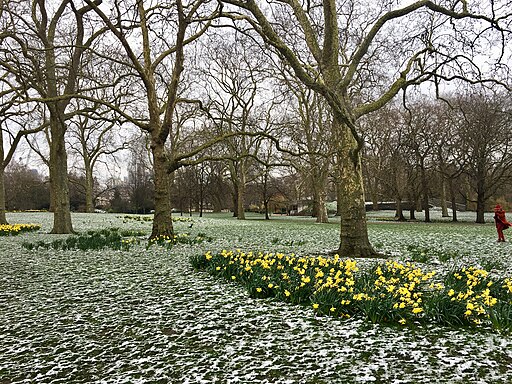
(354, 240)
(59, 183)
(162, 220)
(3, 218)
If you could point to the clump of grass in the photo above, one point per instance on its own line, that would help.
(389, 292)
(91, 240)
(421, 254)
(180, 238)
(288, 243)
(16, 229)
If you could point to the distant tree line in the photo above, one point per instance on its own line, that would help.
(247, 104)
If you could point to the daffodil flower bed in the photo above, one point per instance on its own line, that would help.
(15, 229)
(388, 292)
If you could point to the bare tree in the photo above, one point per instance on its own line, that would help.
(15, 124)
(312, 136)
(157, 63)
(234, 78)
(43, 48)
(485, 126)
(339, 48)
(94, 138)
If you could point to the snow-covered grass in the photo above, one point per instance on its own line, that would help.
(144, 315)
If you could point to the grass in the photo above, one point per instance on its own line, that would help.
(145, 316)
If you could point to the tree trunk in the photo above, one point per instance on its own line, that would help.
(89, 190)
(162, 219)
(338, 197)
(444, 206)
(412, 213)
(3, 218)
(424, 187)
(399, 214)
(354, 240)
(454, 202)
(321, 215)
(59, 183)
(235, 199)
(480, 202)
(241, 198)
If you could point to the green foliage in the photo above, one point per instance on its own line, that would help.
(389, 292)
(422, 254)
(92, 240)
(181, 238)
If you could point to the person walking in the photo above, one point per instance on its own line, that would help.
(501, 222)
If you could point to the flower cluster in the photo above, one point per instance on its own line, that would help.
(15, 229)
(388, 292)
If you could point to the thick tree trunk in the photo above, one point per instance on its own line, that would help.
(162, 219)
(480, 203)
(399, 213)
(59, 183)
(321, 215)
(241, 198)
(354, 232)
(3, 218)
(412, 213)
(266, 207)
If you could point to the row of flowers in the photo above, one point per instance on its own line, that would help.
(15, 229)
(387, 292)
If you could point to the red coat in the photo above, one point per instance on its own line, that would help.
(499, 218)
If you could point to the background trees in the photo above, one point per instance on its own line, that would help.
(353, 55)
(219, 86)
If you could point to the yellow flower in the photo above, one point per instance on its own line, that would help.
(451, 292)
(402, 321)
(217, 269)
(258, 289)
(233, 277)
(333, 309)
(271, 285)
(287, 293)
(315, 306)
(417, 310)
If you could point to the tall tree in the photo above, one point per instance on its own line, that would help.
(337, 48)
(234, 77)
(154, 36)
(485, 126)
(43, 48)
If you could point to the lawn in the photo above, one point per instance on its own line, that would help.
(145, 316)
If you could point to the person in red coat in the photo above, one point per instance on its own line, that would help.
(501, 222)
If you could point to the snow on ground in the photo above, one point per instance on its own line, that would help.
(145, 316)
